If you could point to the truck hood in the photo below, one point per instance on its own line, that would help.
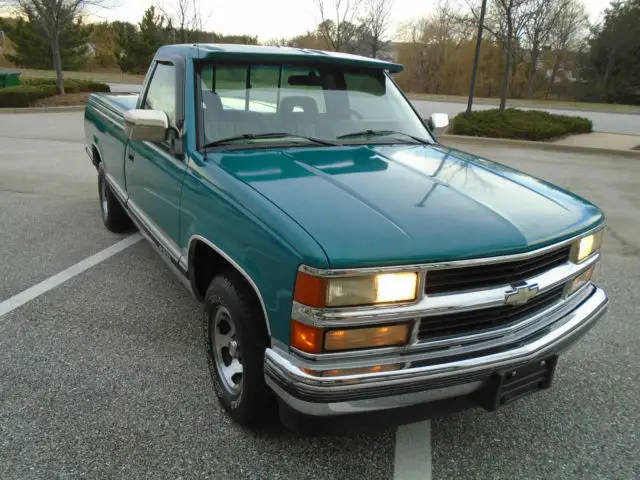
(391, 204)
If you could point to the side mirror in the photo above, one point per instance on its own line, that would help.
(438, 122)
(146, 125)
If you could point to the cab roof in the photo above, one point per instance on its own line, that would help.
(260, 53)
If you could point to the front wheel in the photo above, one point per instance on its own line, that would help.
(235, 341)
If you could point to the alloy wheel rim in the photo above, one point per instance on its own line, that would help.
(228, 358)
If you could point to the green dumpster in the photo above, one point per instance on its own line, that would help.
(9, 79)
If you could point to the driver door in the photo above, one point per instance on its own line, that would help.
(154, 173)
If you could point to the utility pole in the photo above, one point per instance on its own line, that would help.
(476, 57)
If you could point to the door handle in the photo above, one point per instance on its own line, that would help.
(131, 156)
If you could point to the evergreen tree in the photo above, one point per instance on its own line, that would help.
(136, 46)
(33, 49)
(612, 63)
(103, 39)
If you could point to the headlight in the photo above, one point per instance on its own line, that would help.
(353, 291)
(587, 245)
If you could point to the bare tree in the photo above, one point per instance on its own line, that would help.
(568, 29)
(429, 43)
(506, 20)
(50, 16)
(186, 17)
(337, 22)
(377, 21)
(538, 31)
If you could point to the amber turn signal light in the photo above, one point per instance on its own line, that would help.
(310, 290)
(305, 337)
(372, 337)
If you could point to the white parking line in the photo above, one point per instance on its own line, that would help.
(413, 452)
(59, 278)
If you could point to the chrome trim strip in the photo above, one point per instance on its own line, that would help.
(432, 304)
(463, 344)
(279, 365)
(240, 270)
(443, 265)
(147, 235)
(372, 405)
(120, 192)
(184, 262)
(166, 242)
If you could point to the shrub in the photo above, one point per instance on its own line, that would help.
(32, 89)
(97, 87)
(24, 95)
(519, 124)
(37, 81)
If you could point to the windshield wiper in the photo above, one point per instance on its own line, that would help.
(381, 133)
(258, 136)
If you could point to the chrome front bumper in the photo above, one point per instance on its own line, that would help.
(421, 381)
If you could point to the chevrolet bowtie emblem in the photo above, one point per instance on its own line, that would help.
(520, 294)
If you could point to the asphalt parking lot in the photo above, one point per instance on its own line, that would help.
(104, 375)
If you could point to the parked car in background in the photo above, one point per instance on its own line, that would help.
(347, 262)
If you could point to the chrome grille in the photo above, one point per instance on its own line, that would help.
(464, 323)
(495, 274)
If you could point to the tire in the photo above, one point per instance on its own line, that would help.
(234, 331)
(114, 216)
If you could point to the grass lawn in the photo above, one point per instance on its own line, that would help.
(105, 76)
(535, 103)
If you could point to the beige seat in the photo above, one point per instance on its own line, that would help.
(221, 123)
(299, 115)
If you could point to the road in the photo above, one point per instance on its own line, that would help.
(622, 123)
(104, 376)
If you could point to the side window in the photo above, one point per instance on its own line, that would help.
(161, 94)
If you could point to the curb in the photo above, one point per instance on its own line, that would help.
(66, 108)
(536, 145)
(526, 107)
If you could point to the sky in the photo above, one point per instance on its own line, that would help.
(279, 18)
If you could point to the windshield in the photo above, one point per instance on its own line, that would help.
(241, 104)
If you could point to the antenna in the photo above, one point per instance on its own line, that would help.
(198, 94)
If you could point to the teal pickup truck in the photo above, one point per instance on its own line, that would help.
(348, 263)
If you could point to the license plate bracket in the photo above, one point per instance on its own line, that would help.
(509, 385)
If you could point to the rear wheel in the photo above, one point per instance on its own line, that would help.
(235, 341)
(114, 216)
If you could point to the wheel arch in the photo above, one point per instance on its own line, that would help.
(96, 155)
(213, 260)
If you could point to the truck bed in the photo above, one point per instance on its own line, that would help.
(117, 103)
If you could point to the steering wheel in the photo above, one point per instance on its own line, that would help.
(355, 114)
